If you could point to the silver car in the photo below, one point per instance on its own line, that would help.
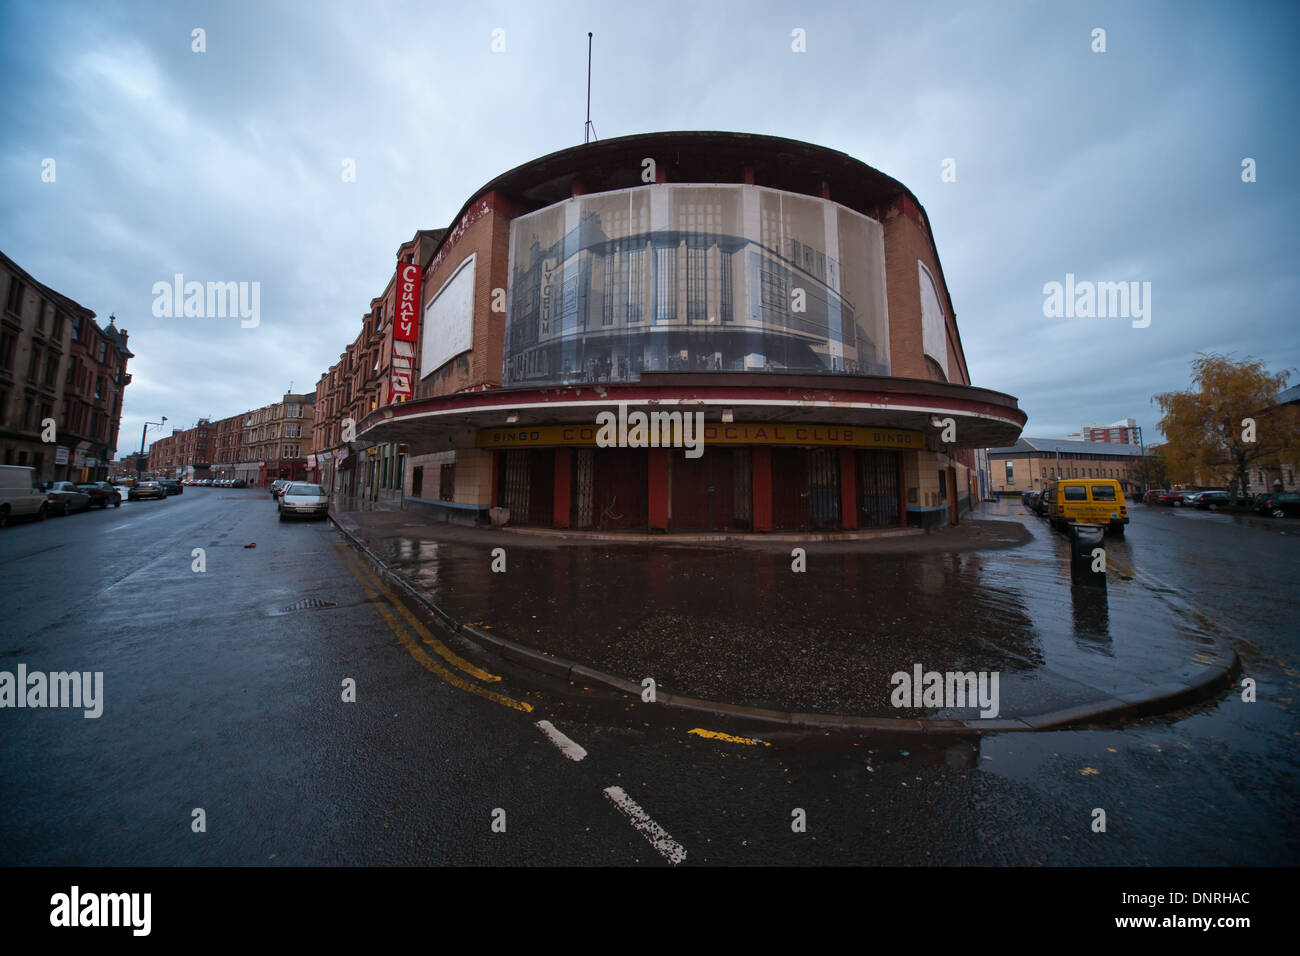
(300, 499)
(64, 497)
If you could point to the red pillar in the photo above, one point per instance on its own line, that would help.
(848, 490)
(761, 460)
(658, 488)
(563, 472)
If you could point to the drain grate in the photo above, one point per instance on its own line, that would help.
(310, 604)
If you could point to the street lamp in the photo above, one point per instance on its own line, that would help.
(142, 434)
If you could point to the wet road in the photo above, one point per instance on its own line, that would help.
(217, 696)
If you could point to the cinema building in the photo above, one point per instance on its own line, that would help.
(789, 293)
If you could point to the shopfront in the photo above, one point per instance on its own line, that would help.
(750, 477)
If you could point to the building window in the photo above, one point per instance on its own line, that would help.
(7, 342)
(417, 481)
(58, 326)
(447, 482)
(635, 285)
(665, 283)
(51, 370)
(103, 350)
(76, 328)
(727, 307)
(943, 483)
(15, 301)
(40, 315)
(1011, 473)
(33, 363)
(697, 301)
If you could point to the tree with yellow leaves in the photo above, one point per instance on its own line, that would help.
(1228, 423)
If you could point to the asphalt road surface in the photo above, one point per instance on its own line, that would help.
(223, 692)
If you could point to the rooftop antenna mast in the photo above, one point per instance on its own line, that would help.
(588, 131)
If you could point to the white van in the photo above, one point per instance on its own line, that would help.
(20, 494)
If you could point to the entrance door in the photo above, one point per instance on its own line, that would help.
(789, 489)
(541, 486)
(620, 488)
(704, 491)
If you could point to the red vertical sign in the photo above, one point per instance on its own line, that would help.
(406, 331)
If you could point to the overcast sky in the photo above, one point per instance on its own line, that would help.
(227, 165)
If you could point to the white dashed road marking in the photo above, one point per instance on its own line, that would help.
(669, 848)
(567, 747)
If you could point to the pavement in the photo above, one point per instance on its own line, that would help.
(736, 632)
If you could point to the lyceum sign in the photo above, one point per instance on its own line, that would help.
(405, 332)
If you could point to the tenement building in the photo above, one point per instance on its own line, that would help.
(277, 440)
(62, 379)
(776, 311)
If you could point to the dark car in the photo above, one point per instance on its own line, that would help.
(1278, 505)
(278, 486)
(171, 486)
(1174, 499)
(239, 483)
(101, 493)
(1212, 500)
(146, 489)
(1152, 497)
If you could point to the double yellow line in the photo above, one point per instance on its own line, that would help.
(385, 601)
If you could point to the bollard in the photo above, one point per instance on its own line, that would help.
(1083, 539)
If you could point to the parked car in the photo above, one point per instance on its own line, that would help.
(1212, 500)
(1152, 497)
(1173, 498)
(21, 495)
(101, 493)
(146, 489)
(1278, 505)
(278, 486)
(300, 499)
(63, 497)
(238, 483)
(1086, 501)
(171, 486)
(1027, 499)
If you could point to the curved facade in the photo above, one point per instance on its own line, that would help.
(675, 278)
(783, 300)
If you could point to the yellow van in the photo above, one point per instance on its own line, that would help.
(1086, 501)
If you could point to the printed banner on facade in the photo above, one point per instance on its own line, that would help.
(746, 433)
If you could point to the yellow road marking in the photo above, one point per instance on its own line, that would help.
(715, 735)
(424, 659)
(441, 649)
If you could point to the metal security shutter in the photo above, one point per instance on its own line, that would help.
(582, 489)
(824, 488)
(516, 496)
(877, 489)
